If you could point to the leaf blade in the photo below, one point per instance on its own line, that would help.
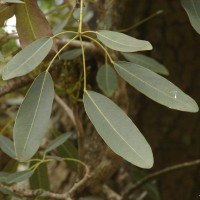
(27, 59)
(155, 87)
(57, 142)
(121, 42)
(107, 80)
(29, 129)
(192, 8)
(146, 62)
(7, 146)
(117, 129)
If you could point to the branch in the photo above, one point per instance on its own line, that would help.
(159, 173)
(47, 194)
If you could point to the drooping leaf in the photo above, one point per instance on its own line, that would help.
(107, 80)
(68, 150)
(121, 42)
(6, 12)
(27, 59)
(155, 87)
(19, 176)
(147, 62)
(31, 22)
(117, 130)
(40, 178)
(57, 142)
(192, 7)
(71, 54)
(33, 116)
(7, 146)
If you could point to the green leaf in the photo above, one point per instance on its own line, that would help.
(7, 146)
(3, 177)
(146, 62)
(27, 59)
(155, 87)
(71, 54)
(121, 42)
(117, 130)
(68, 150)
(107, 80)
(6, 12)
(1, 57)
(57, 142)
(192, 7)
(19, 176)
(40, 178)
(31, 22)
(33, 117)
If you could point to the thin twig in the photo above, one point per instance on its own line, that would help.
(47, 194)
(159, 173)
(66, 108)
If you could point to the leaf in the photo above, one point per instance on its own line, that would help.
(19, 176)
(40, 178)
(1, 57)
(146, 62)
(71, 54)
(117, 130)
(33, 116)
(57, 142)
(6, 12)
(12, 1)
(192, 7)
(27, 59)
(31, 22)
(121, 42)
(7, 146)
(107, 80)
(68, 150)
(3, 177)
(155, 87)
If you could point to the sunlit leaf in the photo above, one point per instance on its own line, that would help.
(71, 54)
(107, 79)
(7, 146)
(147, 62)
(121, 42)
(33, 117)
(19, 176)
(155, 87)
(31, 22)
(57, 142)
(117, 130)
(6, 12)
(40, 178)
(192, 7)
(27, 59)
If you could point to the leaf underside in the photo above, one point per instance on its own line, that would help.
(33, 117)
(155, 87)
(117, 130)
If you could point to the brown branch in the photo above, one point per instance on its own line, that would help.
(47, 194)
(159, 173)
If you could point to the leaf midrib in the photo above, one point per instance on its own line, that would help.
(112, 126)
